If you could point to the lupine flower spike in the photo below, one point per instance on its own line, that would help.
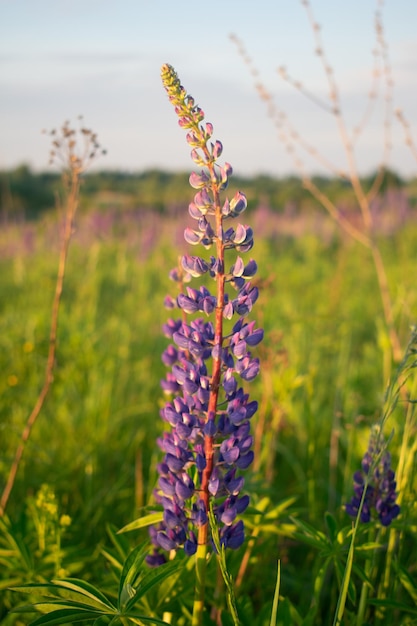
(208, 443)
(379, 480)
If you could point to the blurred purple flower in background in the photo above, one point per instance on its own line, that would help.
(378, 478)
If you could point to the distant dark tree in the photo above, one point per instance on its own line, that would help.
(25, 194)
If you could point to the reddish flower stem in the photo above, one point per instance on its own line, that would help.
(216, 373)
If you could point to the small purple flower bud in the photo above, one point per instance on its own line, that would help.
(237, 205)
(248, 368)
(242, 504)
(155, 559)
(187, 304)
(214, 482)
(192, 236)
(166, 486)
(216, 149)
(245, 460)
(170, 327)
(228, 516)
(238, 268)
(184, 488)
(240, 234)
(190, 546)
(199, 181)
(208, 131)
(165, 542)
(230, 453)
(255, 338)
(224, 174)
(233, 485)
(194, 265)
(228, 311)
(193, 139)
(169, 385)
(170, 303)
(233, 536)
(170, 356)
(197, 158)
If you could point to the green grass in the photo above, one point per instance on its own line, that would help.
(324, 374)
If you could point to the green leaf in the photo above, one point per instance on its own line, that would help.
(64, 616)
(9, 583)
(351, 589)
(392, 604)
(221, 559)
(131, 571)
(407, 582)
(17, 546)
(119, 542)
(274, 613)
(310, 535)
(142, 522)
(71, 589)
(152, 578)
(144, 618)
(112, 560)
(280, 507)
(331, 526)
(87, 590)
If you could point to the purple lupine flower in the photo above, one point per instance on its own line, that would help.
(377, 477)
(208, 411)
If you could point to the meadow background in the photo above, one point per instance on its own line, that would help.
(90, 464)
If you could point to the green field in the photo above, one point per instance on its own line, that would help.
(90, 463)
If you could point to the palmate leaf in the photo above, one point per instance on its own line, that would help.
(14, 546)
(64, 616)
(310, 535)
(71, 600)
(47, 606)
(76, 591)
(86, 589)
(137, 579)
(152, 578)
(131, 571)
(61, 612)
(120, 543)
(72, 615)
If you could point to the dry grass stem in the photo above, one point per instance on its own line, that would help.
(64, 151)
(293, 141)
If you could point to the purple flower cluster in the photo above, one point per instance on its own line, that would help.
(207, 442)
(378, 479)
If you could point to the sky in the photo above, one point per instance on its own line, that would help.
(101, 59)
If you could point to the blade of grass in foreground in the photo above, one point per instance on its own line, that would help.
(274, 613)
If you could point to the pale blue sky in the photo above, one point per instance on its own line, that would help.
(102, 58)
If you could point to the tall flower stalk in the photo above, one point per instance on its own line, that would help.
(209, 413)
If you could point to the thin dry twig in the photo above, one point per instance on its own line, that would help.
(408, 138)
(65, 151)
(292, 140)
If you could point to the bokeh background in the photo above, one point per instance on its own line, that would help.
(101, 59)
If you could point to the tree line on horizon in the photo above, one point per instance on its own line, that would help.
(26, 194)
